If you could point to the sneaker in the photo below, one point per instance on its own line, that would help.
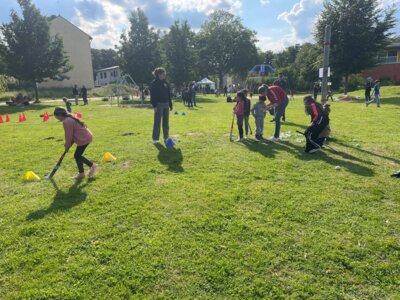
(273, 139)
(239, 140)
(314, 150)
(155, 142)
(397, 174)
(79, 176)
(93, 170)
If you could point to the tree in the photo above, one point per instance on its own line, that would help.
(103, 58)
(306, 64)
(225, 45)
(179, 47)
(29, 53)
(139, 53)
(359, 30)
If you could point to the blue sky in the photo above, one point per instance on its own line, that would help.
(278, 23)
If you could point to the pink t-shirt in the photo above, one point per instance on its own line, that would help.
(75, 133)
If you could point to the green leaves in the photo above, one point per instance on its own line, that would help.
(28, 51)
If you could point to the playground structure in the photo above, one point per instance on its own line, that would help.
(125, 86)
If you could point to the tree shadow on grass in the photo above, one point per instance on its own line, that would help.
(349, 162)
(367, 152)
(170, 157)
(62, 201)
(390, 101)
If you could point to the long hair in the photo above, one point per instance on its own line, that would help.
(62, 112)
(241, 96)
(308, 100)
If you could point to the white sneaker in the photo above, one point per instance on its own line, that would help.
(314, 150)
(155, 142)
(273, 139)
(239, 140)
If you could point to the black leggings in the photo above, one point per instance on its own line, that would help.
(80, 160)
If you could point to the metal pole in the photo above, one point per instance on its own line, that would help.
(327, 45)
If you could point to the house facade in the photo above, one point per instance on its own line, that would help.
(77, 48)
(389, 64)
(106, 76)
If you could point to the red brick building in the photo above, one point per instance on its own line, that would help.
(389, 64)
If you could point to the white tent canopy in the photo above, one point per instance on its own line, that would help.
(206, 81)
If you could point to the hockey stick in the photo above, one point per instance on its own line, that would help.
(231, 133)
(56, 166)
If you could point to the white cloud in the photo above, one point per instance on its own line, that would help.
(202, 6)
(264, 2)
(302, 18)
(276, 45)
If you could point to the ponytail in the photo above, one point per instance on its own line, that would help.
(62, 112)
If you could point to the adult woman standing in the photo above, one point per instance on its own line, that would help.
(160, 98)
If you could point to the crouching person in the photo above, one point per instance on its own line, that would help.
(319, 128)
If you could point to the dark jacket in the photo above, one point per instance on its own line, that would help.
(247, 107)
(160, 92)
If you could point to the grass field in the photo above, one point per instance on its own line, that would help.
(209, 219)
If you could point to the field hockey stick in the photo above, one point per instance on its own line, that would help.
(56, 166)
(325, 145)
(231, 133)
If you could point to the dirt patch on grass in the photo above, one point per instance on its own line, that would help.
(196, 134)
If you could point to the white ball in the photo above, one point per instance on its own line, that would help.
(358, 145)
(337, 167)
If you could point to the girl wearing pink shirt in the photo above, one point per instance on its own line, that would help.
(76, 132)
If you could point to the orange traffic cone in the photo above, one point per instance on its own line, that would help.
(78, 115)
(23, 117)
(45, 117)
(7, 118)
(1, 119)
(20, 118)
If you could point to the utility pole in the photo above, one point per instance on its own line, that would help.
(327, 46)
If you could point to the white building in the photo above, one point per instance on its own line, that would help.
(77, 48)
(106, 76)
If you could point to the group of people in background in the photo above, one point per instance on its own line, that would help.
(369, 86)
(189, 95)
(82, 93)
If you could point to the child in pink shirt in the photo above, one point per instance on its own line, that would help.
(76, 132)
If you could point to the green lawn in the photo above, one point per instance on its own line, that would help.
(209, 219)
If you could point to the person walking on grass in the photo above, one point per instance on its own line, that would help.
(258, 111)
(75, 93)
(278, 101)
(67, 104)
(239, 112)
(160, 98)
(84, 95)
(247, 108)
(76, 132)
(368, 87)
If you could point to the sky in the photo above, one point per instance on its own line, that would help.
(278, 23)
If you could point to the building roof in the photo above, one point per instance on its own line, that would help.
(52, 18)
(107, 69)
(394, 45)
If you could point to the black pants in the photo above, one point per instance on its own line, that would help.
(80, 159)
(240, 125)
(313, 132)
(367, 96)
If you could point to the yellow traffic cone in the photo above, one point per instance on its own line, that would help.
(30, 176)
(108, 157)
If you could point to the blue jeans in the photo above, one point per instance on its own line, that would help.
(279, 111)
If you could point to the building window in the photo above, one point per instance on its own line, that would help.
(105, 74)
(101, 75)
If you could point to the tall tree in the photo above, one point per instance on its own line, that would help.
(30, 54)
(179, 47)
(103, 58)
(139, 53)
(226, 45)
(359, 30)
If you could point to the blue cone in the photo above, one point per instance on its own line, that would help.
(183, 114)
(169, 142)
(176, 113)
